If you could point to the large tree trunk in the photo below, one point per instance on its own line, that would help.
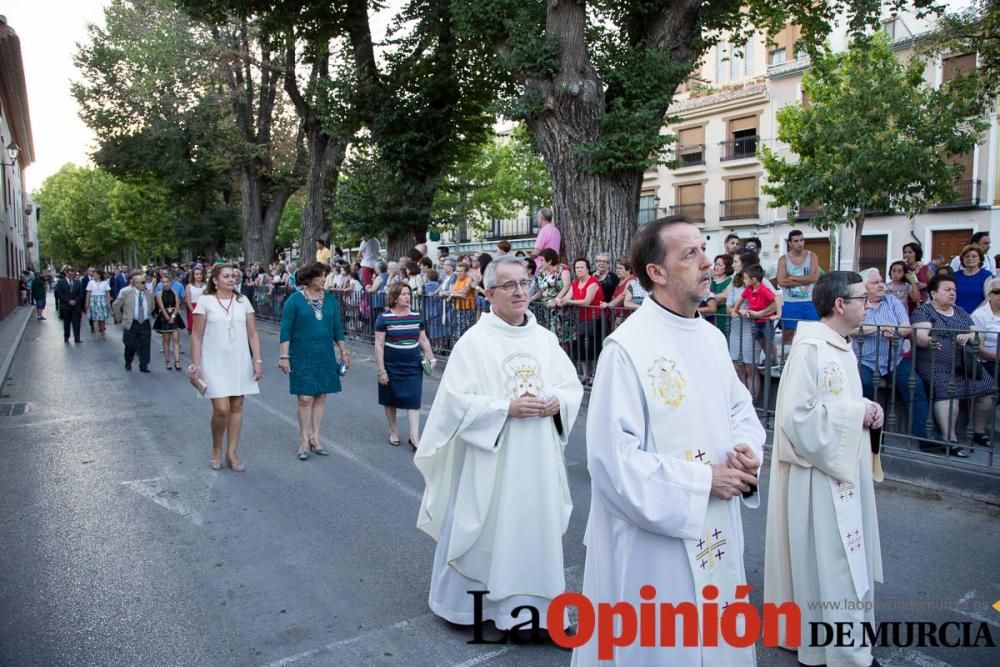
(326, 156)
(257, 246)
(400, 243)
(594, 213)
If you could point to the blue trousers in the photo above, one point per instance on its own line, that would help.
(918, 407)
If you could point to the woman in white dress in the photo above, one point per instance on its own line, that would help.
(223, 336)
(98, 304)
(193, 292)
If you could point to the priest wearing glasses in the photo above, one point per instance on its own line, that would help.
(497, 498)
(673, 442)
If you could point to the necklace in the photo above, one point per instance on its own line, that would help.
(230, 331)
(315, 304)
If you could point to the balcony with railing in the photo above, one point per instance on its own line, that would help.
(739, 149)
(508, 229)
(689, 156)
(968, 196)
(747, 208)
(693, 212)
(808, 212)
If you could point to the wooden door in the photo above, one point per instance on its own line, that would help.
(822, 249)
(948, 242)
(874, 251)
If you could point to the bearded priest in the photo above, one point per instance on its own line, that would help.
(673, 442)
(497, 498)
(822, 541)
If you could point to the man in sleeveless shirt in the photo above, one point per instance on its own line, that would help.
(798, 270)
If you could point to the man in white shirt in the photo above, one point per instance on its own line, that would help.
(369, 251)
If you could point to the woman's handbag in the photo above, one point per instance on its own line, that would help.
(425, 363)
(966, 362)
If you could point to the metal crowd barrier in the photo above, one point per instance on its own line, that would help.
(907, 396)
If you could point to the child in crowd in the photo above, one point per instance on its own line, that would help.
(760, 302)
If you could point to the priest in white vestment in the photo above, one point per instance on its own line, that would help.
(673, 442)
(822, 542)
(497, 498)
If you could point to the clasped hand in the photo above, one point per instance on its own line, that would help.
(737, 475)
(530, 406)
(874, 415)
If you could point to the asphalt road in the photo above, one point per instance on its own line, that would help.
(120, 546)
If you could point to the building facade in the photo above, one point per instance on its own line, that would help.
(17, 216)
(729, 109)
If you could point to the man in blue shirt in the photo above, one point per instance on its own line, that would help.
(879, 349)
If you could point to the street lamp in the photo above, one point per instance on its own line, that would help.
(12, 152)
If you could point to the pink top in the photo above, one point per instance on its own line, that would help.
(548, 237)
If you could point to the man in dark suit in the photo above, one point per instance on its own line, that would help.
(70, 294)
(120, 281)
(134, 309)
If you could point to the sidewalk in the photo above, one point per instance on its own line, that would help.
(11, 330)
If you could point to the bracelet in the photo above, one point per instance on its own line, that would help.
(283, 356)
(258, 361)
(382, 372)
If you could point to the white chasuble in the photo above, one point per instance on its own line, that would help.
(666, 404)
(822, 542)
(496, 498)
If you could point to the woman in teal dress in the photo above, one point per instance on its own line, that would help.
(310, 326)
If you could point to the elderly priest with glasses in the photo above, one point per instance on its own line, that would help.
(497, 499)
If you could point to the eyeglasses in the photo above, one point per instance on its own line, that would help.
(514, 284)
(851, 298)
(994, 292)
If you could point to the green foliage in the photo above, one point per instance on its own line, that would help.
(874, 138)
(77, 224)
(290, 226)
(974, 30)
(506, 175)
(149, 90)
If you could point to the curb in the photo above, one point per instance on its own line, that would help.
(9, 357)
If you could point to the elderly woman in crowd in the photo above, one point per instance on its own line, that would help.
(554, 282)
(986, 320)
(225, 359)
(879, 348)
(615, 305)
(605, 277)
(461, 301)
(942, 330)
(310, 328)
(399, 339)
(969, 281)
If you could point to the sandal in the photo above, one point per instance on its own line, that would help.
(413, 445)
(216, 464)
(303, 455)
(316, 449)
(177, 365)
(394, 443)
(236, 467)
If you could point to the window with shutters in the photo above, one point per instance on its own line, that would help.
(874, 253)
(742, 139)
(742, 201)
(778, 56)
(690, 149)
(690, 201)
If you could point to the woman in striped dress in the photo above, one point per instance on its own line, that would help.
(399, 339)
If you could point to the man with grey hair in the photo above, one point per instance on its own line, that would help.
(548, 236)
(879, 348)
(822, 548)
(497, 499)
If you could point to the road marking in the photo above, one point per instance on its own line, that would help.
(968, 596)
(423, 639)
(344, 452)
(168, 498)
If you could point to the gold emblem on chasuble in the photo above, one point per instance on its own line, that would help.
(523, 376)
(668, 382)
(833, 378)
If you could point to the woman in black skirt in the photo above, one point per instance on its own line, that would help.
(169, 322)
(399, 339)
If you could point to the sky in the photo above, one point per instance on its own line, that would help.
(49, 31)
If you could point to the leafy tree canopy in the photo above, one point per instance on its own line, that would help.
(855, 152)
